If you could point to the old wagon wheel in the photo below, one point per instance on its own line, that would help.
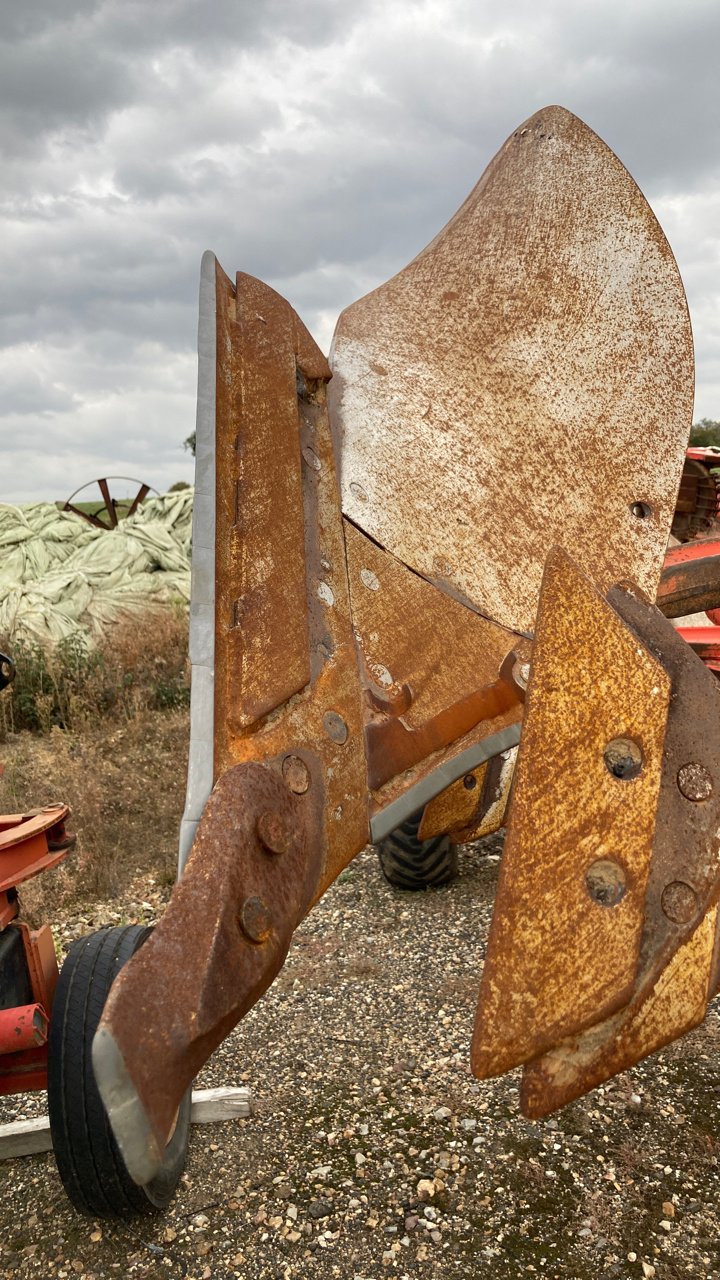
(106, 503)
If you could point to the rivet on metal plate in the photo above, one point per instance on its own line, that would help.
(695, 781)
(296, 774)
(641, 510)
(311, 458)
(369, 579)
(273, 832)
(255, 919)
(335, 727)
(679, 902)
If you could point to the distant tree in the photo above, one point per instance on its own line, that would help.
(190, 444)
(705, 432)
(179, 484)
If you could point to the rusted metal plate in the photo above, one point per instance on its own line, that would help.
(410, 635)
(526, 381)
(673, 1004)
(565, 939)
(496, 798)
(322, 726)
(476, 805)
(222, 939)
(457, 806)
(261, 637)
(684, 880)
(433, 670)
(677, 973)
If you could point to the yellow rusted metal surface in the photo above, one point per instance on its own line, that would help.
(559, 959)
(498, 788)
(262, 650)
(474, 806)
(456, 807)
(672, 1005)
(322, 725)
(410, 634)
(432, 669)
(526, 381)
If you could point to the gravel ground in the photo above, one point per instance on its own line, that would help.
(373, 1151)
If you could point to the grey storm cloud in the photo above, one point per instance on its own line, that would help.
(319, 146)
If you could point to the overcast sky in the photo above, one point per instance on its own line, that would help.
(318, 144)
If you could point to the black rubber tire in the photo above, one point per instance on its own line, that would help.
(409, 863)
(91, 1168)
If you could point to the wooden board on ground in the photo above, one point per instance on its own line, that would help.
(30, 1137)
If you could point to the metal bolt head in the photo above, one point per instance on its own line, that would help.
(605, 882)
(255, 920)
(679, 902)
(335, 727)
(273, 832)
(623, 758)
(296, 775)
(695, 781)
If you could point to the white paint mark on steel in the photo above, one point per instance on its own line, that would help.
(326, 593)
(370, 579)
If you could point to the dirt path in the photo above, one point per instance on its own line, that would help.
(375, 1153)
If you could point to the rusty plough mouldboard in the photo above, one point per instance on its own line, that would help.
(368, 554)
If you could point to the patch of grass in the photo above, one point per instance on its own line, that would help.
(140, 665)
(125, 784)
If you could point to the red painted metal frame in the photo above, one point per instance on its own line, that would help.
(29, 843)
(706, 643)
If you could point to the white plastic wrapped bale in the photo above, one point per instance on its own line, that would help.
(60, 575)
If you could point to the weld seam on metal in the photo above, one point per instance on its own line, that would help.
(202, 593)
(448, 772)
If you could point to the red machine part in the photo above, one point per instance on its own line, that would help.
(29, 843)
(705, 641)
(24, 1027)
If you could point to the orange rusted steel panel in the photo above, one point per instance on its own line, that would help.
(262, 645)
(250, 879)
(431, 668)
(557, 958)
(526, 381)
(595, 776)
(457, 806)
(674, 1003)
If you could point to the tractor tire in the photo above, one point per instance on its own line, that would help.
(410, 863)
(89, 1162)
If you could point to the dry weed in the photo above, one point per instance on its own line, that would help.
(125, 784)
(140, 664)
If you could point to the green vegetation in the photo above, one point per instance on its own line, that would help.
(705, 432)
(140, 665)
